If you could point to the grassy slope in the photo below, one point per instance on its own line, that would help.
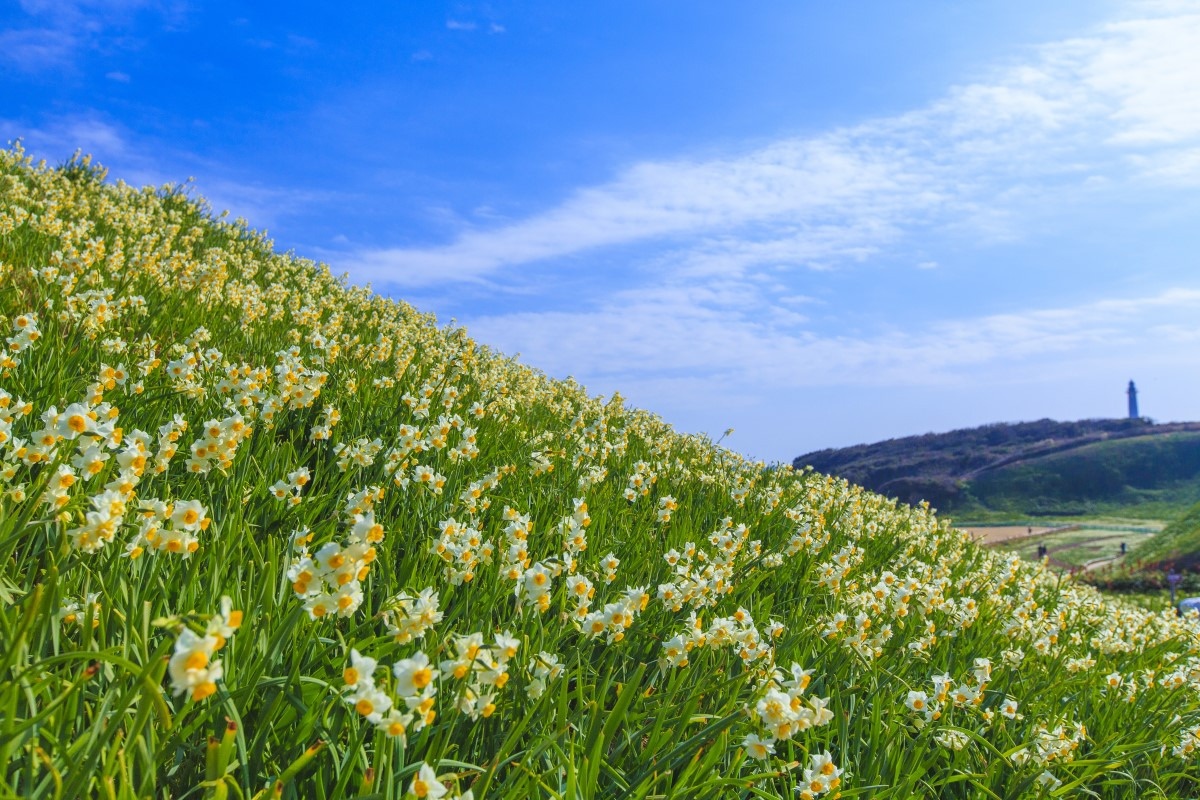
(1147, 476)
(1178, 545)
(658, 700)
(1176, 549)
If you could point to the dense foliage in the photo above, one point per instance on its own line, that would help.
(264, 534)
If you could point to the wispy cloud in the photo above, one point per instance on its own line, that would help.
(35, 49)
(722, 334)
(139, 161)
(54, 32)
(1150, 77)
(60, 136)
(791, 183)
(1121, 102)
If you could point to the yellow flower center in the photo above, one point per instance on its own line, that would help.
(203, 690)
(197, 659)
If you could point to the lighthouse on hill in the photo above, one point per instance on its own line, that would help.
(1133, 409)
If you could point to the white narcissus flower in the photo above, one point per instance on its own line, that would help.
(413, 675)
(226, 623)
(370, 703)
(189, 515)
(361, 672)
(190, 667)
(426, 784)
(758, 747)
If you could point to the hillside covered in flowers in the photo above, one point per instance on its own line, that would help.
(266, 534)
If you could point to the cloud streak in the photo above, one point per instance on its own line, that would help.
(139, 161)
(711, 334)
(57, 31)
(1121, 102)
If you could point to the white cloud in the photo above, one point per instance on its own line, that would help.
(799, 180)
(460, 25)
(35, 49)
(60, 29)
(1151, 75)
(726, 333)
(57, 139)
(1174, 166)
(1080, 112)
(138, 161)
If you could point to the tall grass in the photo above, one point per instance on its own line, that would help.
(265, 534)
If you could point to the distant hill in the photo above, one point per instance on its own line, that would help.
(1031, 468)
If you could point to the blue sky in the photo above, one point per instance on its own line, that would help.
(816, 223)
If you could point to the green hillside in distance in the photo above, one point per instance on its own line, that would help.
(1042, 468)
(1177, 547)
(1145, 571)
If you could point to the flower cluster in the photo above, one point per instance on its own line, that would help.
(218, 444)
(329, 581)
(192, 668)
(169, 527)
(25, 335)
(617, 617)
(409, 618)
(290, 489)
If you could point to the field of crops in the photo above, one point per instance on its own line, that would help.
(264, 534)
